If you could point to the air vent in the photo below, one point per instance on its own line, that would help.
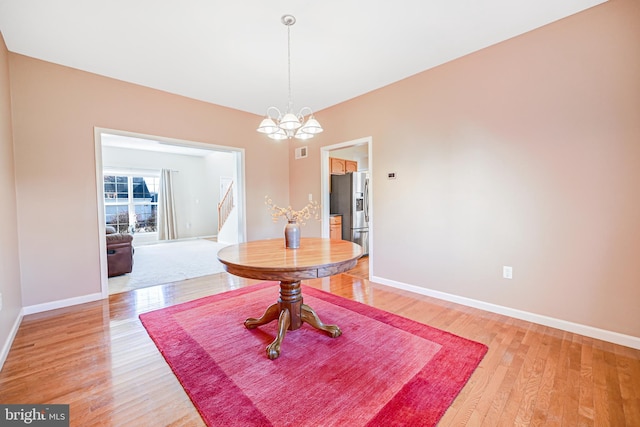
(301, 152)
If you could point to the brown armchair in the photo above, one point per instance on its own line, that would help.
(119, 252)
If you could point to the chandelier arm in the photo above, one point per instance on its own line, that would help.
(278, 117)
(303, 109)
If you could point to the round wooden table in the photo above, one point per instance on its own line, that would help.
(270, 260)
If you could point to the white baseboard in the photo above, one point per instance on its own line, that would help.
(38, 308)
(12, 335)
(577, 328)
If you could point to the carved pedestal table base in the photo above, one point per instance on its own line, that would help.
(290, 312)
(270, 260)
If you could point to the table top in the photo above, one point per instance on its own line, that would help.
(270, 260)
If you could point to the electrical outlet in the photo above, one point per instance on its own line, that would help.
(310, 197)
(507, 272)
(0, 302)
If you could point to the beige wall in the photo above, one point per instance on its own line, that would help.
(9, 265)
(55, 110)
(524, 154)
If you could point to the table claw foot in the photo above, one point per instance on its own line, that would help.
(309, 315)
(273, 349)
(271, 313)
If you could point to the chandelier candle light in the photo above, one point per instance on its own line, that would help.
(289, 125)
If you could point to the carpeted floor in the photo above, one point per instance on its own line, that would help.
(383, 370)
(169, 262)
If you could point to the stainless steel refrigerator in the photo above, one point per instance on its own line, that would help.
(349, 197)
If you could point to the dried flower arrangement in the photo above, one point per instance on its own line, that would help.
(312, 209)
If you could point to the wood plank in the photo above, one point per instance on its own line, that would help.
(616, 403)
(519, 407)
(512, 359)
(628, 373)
(548, 367)
(585, 400)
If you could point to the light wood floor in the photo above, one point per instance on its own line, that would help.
(98, 358)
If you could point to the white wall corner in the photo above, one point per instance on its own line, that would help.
(12, 335)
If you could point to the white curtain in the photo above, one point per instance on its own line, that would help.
(167, 226)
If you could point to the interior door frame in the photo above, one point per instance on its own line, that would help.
(239, 156)
(325, 153)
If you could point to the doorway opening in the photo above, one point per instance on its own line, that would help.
(360, 152)
(133, 173)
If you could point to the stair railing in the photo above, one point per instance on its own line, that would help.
(225, 207)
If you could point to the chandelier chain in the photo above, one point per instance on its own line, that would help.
(290, 106)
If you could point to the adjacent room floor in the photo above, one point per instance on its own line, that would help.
(167, 262)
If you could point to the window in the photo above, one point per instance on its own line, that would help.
(131, 202)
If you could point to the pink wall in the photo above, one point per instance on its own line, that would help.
(9, 265)
(55, 110)
(524, 154)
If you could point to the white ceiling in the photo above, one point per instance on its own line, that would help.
(234, 53)
(154, 144)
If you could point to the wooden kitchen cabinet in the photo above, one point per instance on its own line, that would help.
(337, 166)
(335, 227)
(341, 166)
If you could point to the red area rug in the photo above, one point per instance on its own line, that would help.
(383, 370)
